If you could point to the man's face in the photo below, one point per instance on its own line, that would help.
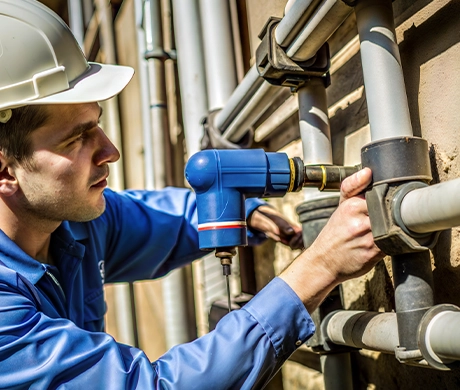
(69, 165)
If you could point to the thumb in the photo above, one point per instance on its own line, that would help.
(355, 184)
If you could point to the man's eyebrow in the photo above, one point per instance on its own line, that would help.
(82, 127)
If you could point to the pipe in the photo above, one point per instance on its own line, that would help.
(388, 108)
(314, 123)
(240, 96)
(191, 70)
(218, 51)
(432, 208)
(305, 45)
(255, 106)
(361, 329)
(443, 337)
(336, 369)
(413, 282)
(176, 330)
(76, 23)
(325, 20)
(142, 73)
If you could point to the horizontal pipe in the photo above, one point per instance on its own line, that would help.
(257, 104)
(443, 335)
(432, 208)
(325, 20)
(331, 14)
(361, 329)
(240, 96)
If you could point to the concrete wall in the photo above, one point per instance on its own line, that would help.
(428, 34)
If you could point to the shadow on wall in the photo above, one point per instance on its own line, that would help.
(423, 43)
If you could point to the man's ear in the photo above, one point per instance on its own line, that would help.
(8, 182)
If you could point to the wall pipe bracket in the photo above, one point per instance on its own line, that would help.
(277, 68)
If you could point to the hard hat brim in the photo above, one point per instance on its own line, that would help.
(100, 82)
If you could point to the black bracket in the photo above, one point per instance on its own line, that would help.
(399, 165)
(278, 69)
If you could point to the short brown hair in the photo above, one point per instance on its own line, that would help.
(14, 135)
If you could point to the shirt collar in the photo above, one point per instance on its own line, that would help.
(16, 259)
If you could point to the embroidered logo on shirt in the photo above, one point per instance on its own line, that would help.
(102, 270)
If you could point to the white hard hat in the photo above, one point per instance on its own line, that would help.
(42, 63)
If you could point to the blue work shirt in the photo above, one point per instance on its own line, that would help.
(51, 317)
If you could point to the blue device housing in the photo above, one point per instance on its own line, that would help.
(222, 180)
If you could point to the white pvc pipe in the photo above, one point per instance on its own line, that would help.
(432, 208)
(361, 329)
(76, 23)
(190, 63)
(314, 123)
(218, 51)
(387, 104)
(442, 336)
(240, 96)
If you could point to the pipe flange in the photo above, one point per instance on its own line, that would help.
(423, 332)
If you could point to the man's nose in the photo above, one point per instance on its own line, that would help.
(106, 151)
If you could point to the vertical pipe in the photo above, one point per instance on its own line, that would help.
(336, 369)
(191, 70)
(173, 284)
(383, 75)
(413, 282)
(194, 101)
(76, 23)
(316, 143)
(218, 51)
(314, 123)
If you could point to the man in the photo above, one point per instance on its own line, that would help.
(58, 221)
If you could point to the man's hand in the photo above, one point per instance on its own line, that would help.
(271, 222)
(343, 250)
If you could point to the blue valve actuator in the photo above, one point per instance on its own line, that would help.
(222, 180)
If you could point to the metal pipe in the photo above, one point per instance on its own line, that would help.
(218, 51)
(176, 330)
(413, 282)
(142, 73)
(361, 329)
(190, 63)
(157, 91)
(432, 208)
(388, 109)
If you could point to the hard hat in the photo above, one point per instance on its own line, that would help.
(42, 63)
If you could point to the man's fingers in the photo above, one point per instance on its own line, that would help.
(355, 184)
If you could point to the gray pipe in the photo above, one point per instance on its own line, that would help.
(324, 21)
(314, 123)
(255, 106)
(76, 22)
(361, 329)
(413, 281)
(432, 208)
(383, 76)
(336, 369)
(191, 68)
(240, 96)
(218, 51)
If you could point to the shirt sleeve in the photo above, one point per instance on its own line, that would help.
(245, 350)
(146, 234)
